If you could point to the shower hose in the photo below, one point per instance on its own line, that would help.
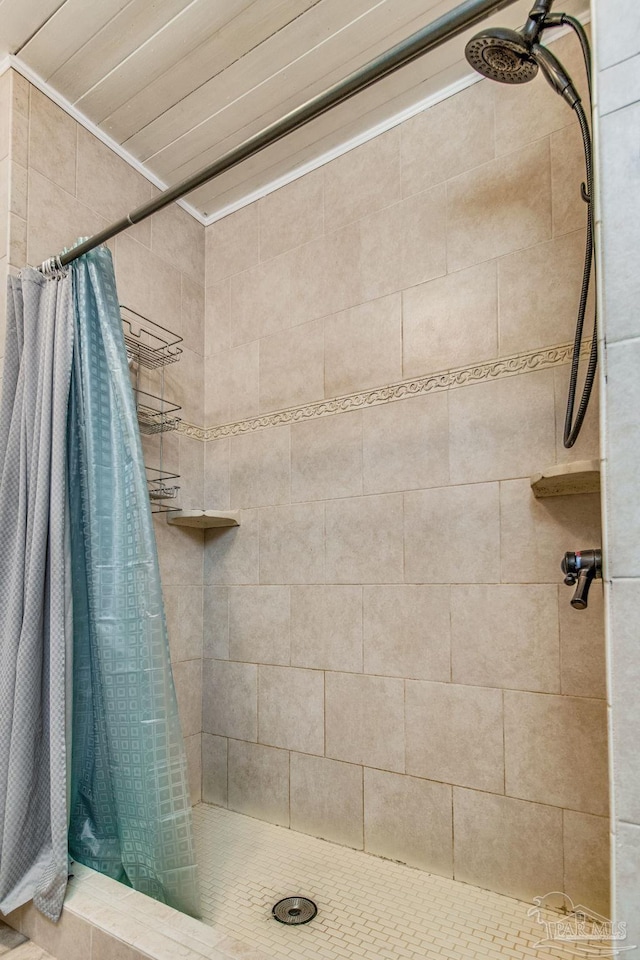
(572, 426)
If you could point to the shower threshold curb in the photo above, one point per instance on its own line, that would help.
(149, 929)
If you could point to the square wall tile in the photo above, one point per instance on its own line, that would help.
(407, 631)
(217, 473)
(231, 553)
(105, 181)
(582, 645)
(54, 217)
(586, 860)
(536, 533)
(492, 211)
(243, 382)
(263, 300)
(187, 677)
(363, 180)
(259, 624)
(217, 321)
(191, 454)
(184, 383)
(326, 799)
(292, 543)
(215, 623)
(547, 739)
(451, 321)
(452, 534)
(214, 770)
(326, 457)
(618, 36)
(364, 540)
(183, 609)
(259, 781)
(502, 429)
(406, 444)
(230, 699)
(179, 553)
(179, 239)
(627, 858)
(232, 244)
(454, 734)
(447, 139)
(52, 133)
(567, 173)
(618, 149)
(292, 215)
(326, 274)
(404, 244)
(535, 314)
(192, 315)
(365, 720)
(19, 125)
(146, 284)
(409, 820)
(505, 635)
(291, 709)
(624, 596)
(259, 468)
(623, 458)
(292, 367)
(493, 848)
(326, 627)
(618, 86)
(363, 346)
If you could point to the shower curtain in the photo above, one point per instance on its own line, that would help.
(128, 808)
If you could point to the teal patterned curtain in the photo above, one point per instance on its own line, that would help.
(130, 813)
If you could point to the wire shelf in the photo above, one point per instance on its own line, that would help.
(155, 414)
(147, 342)
(160, 489)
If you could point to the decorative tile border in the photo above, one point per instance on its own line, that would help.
(496, 369)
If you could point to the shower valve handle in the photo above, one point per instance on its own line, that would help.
(581, 567)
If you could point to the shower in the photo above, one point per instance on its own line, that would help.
(515, 56)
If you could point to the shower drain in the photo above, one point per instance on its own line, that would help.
(293, 910)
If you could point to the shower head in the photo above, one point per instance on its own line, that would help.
(502, 55)
(509, 57)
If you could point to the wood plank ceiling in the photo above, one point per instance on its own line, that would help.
(177, 83)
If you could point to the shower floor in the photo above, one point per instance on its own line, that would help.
(368, 908)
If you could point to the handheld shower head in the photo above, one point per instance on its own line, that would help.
(508, 57)
(501, 54)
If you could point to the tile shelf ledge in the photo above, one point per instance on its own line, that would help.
(582, 476)
(204, 518)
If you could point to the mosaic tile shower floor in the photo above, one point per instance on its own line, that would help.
(368, 908)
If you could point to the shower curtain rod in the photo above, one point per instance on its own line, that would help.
(449, 25)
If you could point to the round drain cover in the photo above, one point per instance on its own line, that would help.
(293, 910)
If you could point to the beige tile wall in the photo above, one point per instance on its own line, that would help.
(389, 615)
(66, 183)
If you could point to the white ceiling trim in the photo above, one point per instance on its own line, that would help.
(14, 62)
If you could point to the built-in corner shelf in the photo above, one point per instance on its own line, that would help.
(204, 518)
(583, 476)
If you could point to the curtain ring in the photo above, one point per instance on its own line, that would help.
(53, 269)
